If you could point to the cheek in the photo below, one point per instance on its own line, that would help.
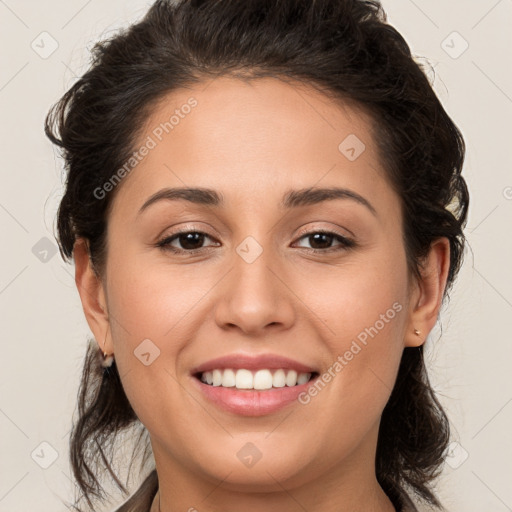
(366, 347)
(365, 308)
(362, 294)
(151, 300)
(148, 310)
(153, 309)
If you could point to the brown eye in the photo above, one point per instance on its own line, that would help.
(321, 241)
(189, 241)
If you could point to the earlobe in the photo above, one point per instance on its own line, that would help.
(92, 295)
(428, 296)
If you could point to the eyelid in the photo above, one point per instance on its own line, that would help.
(302, 231)
(332, 230)
(345, 243)
(185, 228)
(175, 235)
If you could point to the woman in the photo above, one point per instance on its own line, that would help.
(265, 208)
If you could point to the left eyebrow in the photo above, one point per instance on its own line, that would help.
(307, 196)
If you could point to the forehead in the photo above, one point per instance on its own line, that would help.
(252, 138)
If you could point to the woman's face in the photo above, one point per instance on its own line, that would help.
(247, 282)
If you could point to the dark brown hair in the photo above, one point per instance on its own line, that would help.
(344, 48)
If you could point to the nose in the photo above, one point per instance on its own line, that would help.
(255, 297)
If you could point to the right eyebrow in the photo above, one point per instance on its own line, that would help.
(205, 196)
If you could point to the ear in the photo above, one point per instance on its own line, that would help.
(427, 295)
(92, 295)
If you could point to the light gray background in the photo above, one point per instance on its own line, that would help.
(43, 327)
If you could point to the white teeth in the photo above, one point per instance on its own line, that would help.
(217, 377)
(279, 379)
(228, 379)
(291, 378)
(302, 378)
(260, 379)
(244, 379)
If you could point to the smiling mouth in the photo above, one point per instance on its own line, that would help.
(257, 380)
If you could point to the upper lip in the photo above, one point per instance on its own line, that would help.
(253, 362)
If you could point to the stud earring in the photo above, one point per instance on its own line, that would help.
(417, 332)
(107, 360)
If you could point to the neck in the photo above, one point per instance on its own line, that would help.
(350, 485)
(381, 503)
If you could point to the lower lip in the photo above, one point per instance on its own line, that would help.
(253, 402)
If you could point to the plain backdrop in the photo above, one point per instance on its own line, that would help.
(45, 45)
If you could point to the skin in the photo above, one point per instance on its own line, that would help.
(253, 142)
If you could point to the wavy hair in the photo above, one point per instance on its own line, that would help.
(348, 51)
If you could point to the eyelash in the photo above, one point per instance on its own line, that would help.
(346, 243)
